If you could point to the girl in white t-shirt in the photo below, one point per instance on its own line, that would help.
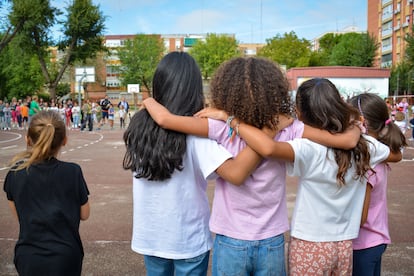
(332, 182)
(374, 234)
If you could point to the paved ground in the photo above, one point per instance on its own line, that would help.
(106, 235)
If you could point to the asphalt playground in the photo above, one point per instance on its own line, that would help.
(106, 234)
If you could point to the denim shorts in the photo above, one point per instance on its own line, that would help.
(233, 257)
(157, 266)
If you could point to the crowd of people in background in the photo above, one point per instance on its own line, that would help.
(16, 114)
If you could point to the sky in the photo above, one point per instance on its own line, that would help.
(252, 21)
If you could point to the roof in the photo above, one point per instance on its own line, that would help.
(335, 72)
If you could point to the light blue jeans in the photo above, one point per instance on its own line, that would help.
(156, 266)
(240, 257)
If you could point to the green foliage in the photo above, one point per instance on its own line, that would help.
(287, 50)
(139, 59)
(82, 26)
(354, 49)
(20, 72)
(62, 89)
(214, 51)
(409, 50)
(401, 79)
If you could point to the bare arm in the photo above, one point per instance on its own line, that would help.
(264, 145)
(346, 140)
(164, 118)
(367, 200)
(13, 209)
(236, 170)
(85, 211)
(394, 157)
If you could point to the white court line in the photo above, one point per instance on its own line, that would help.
(13, 139)
(9, 147)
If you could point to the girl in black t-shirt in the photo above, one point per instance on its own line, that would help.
(49, 198)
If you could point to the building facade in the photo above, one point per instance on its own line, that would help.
(390, 21)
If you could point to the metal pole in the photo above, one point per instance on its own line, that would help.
(80, 87)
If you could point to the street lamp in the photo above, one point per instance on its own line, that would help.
(80, 85)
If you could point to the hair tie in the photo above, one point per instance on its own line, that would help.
(49, 125)
(387, 122)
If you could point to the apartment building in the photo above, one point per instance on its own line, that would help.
(390, 21)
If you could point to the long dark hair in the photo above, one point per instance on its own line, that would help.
(378, 121)
(320, 105)
(152, 152)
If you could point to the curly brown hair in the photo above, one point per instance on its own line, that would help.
(253, 89)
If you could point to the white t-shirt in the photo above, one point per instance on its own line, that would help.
(170, 218)
(324, 211)
(75, 110)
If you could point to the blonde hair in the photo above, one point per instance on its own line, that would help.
(45, 136)
(399, 116)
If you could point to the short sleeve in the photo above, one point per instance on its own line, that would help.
(209, 155)
(378, 151)
(83, 188)
(8, 185)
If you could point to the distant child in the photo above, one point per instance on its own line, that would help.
(111, 116)
(330, 196)
(24, 110)
(170, 171)
(49, 197)
(76, 114)
(7, 116)
(374, 234)
(400, 121)
(122, 115)
(251, 217)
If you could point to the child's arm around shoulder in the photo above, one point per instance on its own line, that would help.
(237, 169)
(394, 156)
(345, 140)
(264, 145)
(185, 124)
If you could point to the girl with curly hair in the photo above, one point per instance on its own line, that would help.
(252, 217)
(170, 171)
(374, 234)
(332, 181)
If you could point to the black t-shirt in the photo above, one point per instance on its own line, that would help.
(105, 104)
(48, 197)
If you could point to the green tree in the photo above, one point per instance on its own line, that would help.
(139, 58)
(401, 79)
(20, 72)
(354, 49)
(409, 50)
(287, 50)
(82, 36)
(326, 45)
(12, 24)
(212, 52)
